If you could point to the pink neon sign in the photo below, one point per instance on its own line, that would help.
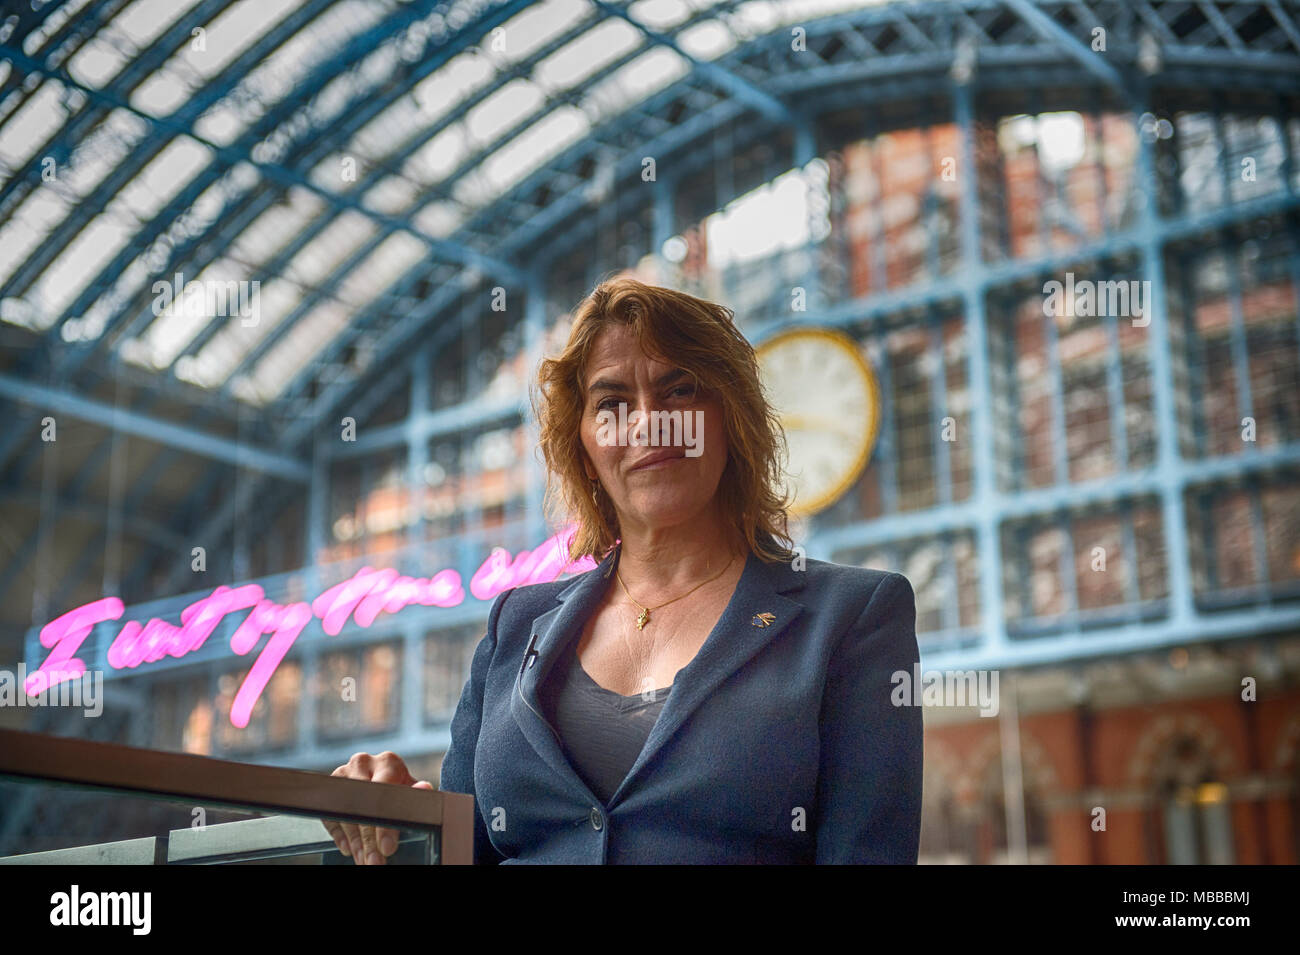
(361, 598)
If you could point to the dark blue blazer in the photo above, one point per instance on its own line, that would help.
(778, 742)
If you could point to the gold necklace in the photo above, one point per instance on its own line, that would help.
(644, 617)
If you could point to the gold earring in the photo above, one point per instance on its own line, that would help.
(594, 485)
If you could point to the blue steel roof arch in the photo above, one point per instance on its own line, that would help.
(579, 153)
(260, 195)
(222, 85)
(379, 169)
(587, 146)
(133, 248)
(751, 94)
(286, 325)
(69, 39)
(355, 51)
(72, 358)
(493, 16)
(282, 31)
(93, 114)
(441, 189)
(600, 138)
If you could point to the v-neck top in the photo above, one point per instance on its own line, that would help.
(602, 732)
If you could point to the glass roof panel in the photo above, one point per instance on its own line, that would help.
(392, 194)
(145, 20)
(298, 347)
(99, 60)
(275, 227)
(218, 359)
(662, 15)
(579, 59)
(537, 26)
(708, 40)
(24, 231)
(799, 11)
(439, 92)
(237, 28)
(51, 25)
(78, 263)
(39, 118)
(440, 219)
(168, 173)
(532, 148)
(439, 156)
(211, 298)
(390, 259)
(324, 254)
(643, 77)
(502, 110)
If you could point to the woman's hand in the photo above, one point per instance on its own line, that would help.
(371, 845)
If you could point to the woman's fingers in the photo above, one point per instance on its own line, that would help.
(353, 834)
(369, 844)
(336, 833)
(388, 768)
(335, 829)
(360, 766)
(387, 838)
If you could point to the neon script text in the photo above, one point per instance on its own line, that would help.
(360, 598)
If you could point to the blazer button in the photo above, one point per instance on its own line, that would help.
(596, 822)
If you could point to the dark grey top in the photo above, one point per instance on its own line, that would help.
(602, 732)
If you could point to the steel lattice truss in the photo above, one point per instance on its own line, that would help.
(266, 131)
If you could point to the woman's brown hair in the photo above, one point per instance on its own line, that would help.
(700, 337)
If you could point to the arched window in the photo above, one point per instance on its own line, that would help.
(1191, 821)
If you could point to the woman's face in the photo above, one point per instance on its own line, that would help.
(675, 421)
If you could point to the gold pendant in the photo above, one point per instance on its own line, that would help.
(642, 620)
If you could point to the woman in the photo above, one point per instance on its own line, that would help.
(706, 694)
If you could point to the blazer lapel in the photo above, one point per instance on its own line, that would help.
(756, 614)
(739, 634)
(550, 633)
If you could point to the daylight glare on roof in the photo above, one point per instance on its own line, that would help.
(475, 125)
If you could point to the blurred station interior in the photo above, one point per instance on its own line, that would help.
(390, 210)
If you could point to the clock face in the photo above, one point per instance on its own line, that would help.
(829, 404)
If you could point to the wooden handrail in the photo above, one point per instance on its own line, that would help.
(203, 780)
